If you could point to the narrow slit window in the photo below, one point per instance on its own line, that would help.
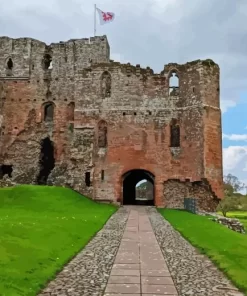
(102, 134)
(106, 85)
(48, 112)
(175, 134)
(102, 175)
(87, 179)
(71, 111)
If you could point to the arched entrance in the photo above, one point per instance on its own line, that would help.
(47, 161)
(138, 188)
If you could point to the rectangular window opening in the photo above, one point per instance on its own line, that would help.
(87, 179)
(102, 175)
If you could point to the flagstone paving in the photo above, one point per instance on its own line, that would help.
(138, 253)
(139, 267)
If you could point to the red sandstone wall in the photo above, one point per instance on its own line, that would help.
(213, 150)
(132, 146)
(213, 171)
(140, 139)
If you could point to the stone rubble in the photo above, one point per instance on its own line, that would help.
(6, 182)
(87, 274)
(233, 224)
(193, 273)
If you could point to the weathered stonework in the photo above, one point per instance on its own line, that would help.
(6, 182)
(233, 224)
(175, 191)
(105, 119)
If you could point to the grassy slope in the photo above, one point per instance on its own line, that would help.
(228, 249)
(41, 228)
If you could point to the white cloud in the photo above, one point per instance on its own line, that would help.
(235, 137)
(151, 33)
(235, 162)
(146, 32)
(226, 104)
(233, 156)
(117, 57)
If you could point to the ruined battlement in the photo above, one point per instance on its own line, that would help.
(99, 119)
(60, 71)
(28, 57)
(138, 70)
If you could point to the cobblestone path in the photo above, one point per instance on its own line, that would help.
(139, 253)
(193, 273)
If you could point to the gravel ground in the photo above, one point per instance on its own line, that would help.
(87, 274)
(193, 274)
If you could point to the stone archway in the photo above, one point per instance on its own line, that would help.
(130, 179)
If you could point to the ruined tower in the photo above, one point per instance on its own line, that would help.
(71, 116)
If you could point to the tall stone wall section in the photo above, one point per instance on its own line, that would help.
(137, 114)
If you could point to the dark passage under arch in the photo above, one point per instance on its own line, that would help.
(130, 179)
(46, 162)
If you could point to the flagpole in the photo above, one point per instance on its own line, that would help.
(94, 20)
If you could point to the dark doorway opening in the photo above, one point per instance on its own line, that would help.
(6, 170)
(135, 192)
(10, 64)
(46, 162)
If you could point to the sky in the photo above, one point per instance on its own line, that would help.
(154, 33)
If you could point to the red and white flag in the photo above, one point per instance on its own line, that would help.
(105, 17)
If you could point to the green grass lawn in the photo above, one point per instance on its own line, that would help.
(228, 249)
(236, 214)
(244, 221)
(41, 229)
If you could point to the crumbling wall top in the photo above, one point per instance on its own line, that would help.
(23, 57)
(91, 40)
(137, 69)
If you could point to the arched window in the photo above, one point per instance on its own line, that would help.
(175, 134)
(10, 64)
(71, 110)
(102, 134)
(106, 85)
(47, 62)
(173, 84)
(9, 67)
(48, 112)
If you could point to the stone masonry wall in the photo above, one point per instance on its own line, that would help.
(134, 106)
(175, 191)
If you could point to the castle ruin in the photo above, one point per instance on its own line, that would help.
(70, 116)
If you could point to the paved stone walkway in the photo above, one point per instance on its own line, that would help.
(139, 267)
(138, 253)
